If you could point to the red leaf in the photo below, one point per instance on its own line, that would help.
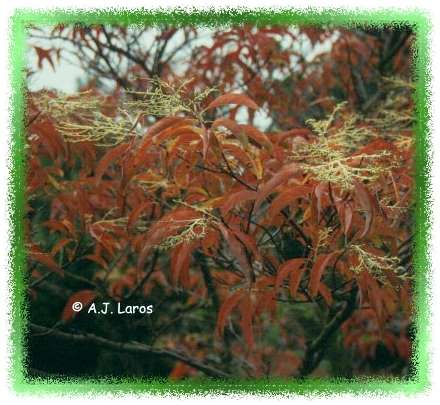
(295, 280)
(54, 225)
(97, 259)
(182, 143)
(239, 131)
(43, 54)
(257, 136)
(319, 191)
(300, 132)
(376, 145)
(317, 271)
(45, 259)
(228, 124)
(136, 213)
(236, 248)
(248, 241)
(49, 137)
(374, 294)
(232, 200)
(180, 371)
(163, 124)
(85, 297)
(325, 293)
(280, 177)
(180, 261)
(174, 131)
(238, 153)
(231, 98)
(288, 267)
(348, 217)
(110, 157)
(345, 212)
(166, 226)
(60, 245)
(235, 128)
(286, 197)
(206, 136)
(225, 310)
(365, 200)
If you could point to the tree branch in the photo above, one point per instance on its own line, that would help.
(316, 349)
(130, 347)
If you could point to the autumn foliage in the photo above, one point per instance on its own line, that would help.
(279, 251)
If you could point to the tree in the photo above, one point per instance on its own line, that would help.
(278, 251)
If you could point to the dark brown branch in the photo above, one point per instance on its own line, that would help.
(111, 46)
(130, 347)
(157, 64)
(122, 82)
(316, 348)
(41, 279)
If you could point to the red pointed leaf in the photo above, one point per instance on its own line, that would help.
(109, 158)
(280, 177)
(60, 245)
(257, 136)
(348, 217)
(317, 271)
(225, 310)
(320, 190)
(288, 267)
(166, 226)
(231, 98)
(364, 198)
(180, 261)
(175, 131)
(295, 281)
(98, 260)
(232, 200)
(227, 123)
(136, 214)
(163, 124)
(325, 293)
(236, 248)
(45, 259)
(248, 241)
(286, 197)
